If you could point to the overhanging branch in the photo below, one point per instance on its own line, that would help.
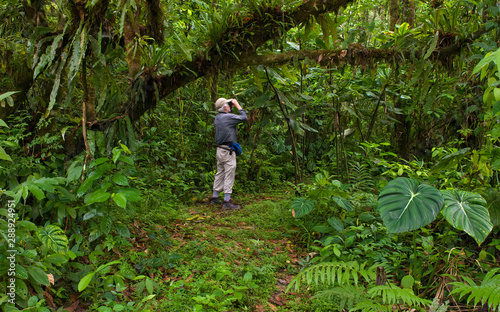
(243, 40)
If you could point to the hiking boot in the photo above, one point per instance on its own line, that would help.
(230, 205)
(214, 201)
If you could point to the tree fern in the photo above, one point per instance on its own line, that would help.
(333, 273)
(487, 293)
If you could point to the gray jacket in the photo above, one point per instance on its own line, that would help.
(225, 126)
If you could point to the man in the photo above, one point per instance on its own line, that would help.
(225, 133)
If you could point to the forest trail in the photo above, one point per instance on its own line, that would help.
(231, 260)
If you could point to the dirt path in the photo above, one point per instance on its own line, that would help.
(243, 257)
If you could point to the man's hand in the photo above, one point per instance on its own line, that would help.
(236, 104)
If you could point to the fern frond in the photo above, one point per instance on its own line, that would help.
(488, 292)
(360, 177)
(370, 306)
(348, 295)
(331, 273)
(392, 294)
(436, 307)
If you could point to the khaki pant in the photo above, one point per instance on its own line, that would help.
(226, 169)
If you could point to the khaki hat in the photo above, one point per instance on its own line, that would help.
(220, 102)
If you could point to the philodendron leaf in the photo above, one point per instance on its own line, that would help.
(54, 238)
(406, 205)
(467, 212)
(301, 207)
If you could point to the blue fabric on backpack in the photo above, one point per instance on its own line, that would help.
(236, 148)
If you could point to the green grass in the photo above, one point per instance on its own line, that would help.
(201, 258)
(198, 257)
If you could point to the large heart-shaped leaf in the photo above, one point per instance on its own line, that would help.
(301, 207)
(406, 205)
(467, 212)
(492, 197)
(54, 238)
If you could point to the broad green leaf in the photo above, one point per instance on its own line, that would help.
(321, 229)
(71, 212)
(4, 155)
(485, 61)
(131, 194)
(343, 203)
(320, 192)
(54, 238)
(467, 211)
(84, 187)
(27, 225)
(495, 132)
(38, 275)
(35, 190)
(126, 159)
(89, 215)
(21, 289)
(407, 281)
(85, 281)
(65, 194)
(120, 200)
(406, 205)
(75, 173)
(103, 266)
(32, 301)
(139, 287)
(336, 224)
(21, 272)
(58, 259)
(116, 155)
(120, 179)
(301, 207)
(78, 50)
(106, 224)
(492, 197)
(2, 97)
(433, 45)
(25, 189)
(98, 197)
(180, 43)
(496, 94)
(122, 230)
(449, 161)
(47, 185)
(149, 286)
(97, 162)
(55, 88)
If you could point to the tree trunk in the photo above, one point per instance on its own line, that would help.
(409, 12)
(394, 14)
(133, 55)
(402, 131)
(293, 135)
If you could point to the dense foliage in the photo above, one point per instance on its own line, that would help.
(369, 177)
